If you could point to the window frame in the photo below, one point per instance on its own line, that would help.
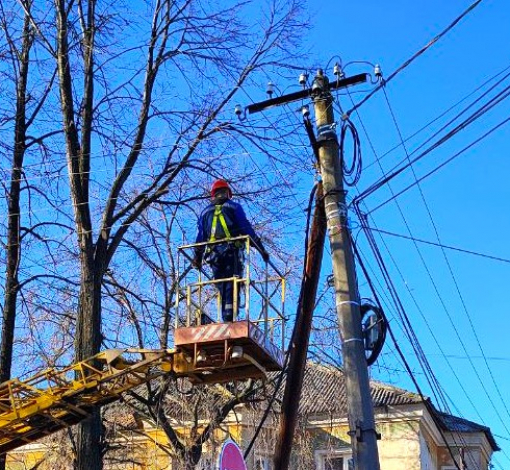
(321, 456)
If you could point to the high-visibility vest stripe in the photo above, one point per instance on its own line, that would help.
(218, 216)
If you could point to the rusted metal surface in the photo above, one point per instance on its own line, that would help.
(214, 345)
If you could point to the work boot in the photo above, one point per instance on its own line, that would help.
(205, 319)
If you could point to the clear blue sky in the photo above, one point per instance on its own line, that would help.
(456, 302)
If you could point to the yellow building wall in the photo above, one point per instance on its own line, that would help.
(135, 452)
(399, 447)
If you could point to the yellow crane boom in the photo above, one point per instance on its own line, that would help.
(55, 399)
(214, 353)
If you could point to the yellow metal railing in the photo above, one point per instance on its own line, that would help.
(263, 290)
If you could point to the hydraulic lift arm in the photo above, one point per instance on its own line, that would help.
(55, 399)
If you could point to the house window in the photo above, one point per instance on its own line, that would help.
(334, 463)
(333, 460)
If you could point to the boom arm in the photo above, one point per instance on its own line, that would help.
(55, 399)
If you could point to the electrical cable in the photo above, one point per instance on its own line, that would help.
(402, 143)
(450, 451)
(444, 113)
(423, 360)
(475, 369)
(415, 56)
(454, 372)
(405, 322)
(407, 327)
(472, 118)
(433, 383)
(453, 278)
(402, 216)
(352, 172)
(382, 326)
(443, 164)
(440, 245)
(425, 400)
(292, 339)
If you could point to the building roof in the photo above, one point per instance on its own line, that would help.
(324, 392)
(456, 424)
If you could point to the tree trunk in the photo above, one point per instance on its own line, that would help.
(11, 276)
(89, 453)
(11, 273)
(13, 252)
(192, 457)
(88, 343)
(88, 321)
(13, 249)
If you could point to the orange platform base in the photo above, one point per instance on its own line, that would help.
(222, 352)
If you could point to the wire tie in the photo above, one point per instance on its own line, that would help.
(333, 213)
(357, 340)
(335, 229)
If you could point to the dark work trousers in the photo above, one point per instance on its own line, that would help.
(228, 263)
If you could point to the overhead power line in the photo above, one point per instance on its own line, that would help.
(505, 72)
(415, 56)
(440, 245)
(413, 339)
(427, 370)
(441, 141)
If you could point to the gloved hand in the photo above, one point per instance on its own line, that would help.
(265, 255)
(197, 262)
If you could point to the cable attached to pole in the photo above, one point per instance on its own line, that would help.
(352, 172)
(279, 381)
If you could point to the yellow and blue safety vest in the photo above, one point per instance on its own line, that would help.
(222, 222)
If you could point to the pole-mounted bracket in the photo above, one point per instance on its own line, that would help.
(303, 94)
(320, 85)
(326, 133)
(359, 432)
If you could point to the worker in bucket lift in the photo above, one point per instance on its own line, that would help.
(223, 219)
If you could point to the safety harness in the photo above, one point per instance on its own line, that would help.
(211, 253)
(219, 217)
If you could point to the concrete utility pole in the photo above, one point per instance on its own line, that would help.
(359, 402)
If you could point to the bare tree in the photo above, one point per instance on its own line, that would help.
(197, 56)
(190, 415)
(19, 116)
(19, 54)
(145, 93)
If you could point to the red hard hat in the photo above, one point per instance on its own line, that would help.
(220, 184)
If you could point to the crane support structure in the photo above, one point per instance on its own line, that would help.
(211, 353)
(56, 399)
